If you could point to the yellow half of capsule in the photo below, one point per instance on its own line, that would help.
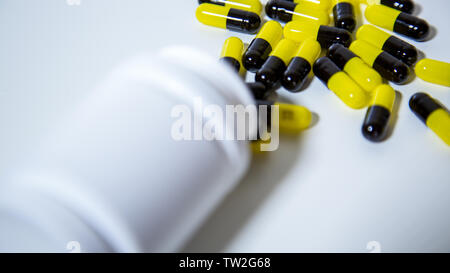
(439, 123)
(213, 15)
(293, 118)
(384, 96)
(309, 50)
(285, 50)
(373, 35)
(433, 71)
(382, 16)
(233, 47)
(318, 4)
(271, 32)
(300, 31)
(363, 74)
(303, 13)
(365, 51)
(248, 5)
(369, 2)
(347, 90)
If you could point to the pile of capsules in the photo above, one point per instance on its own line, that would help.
(355, 71)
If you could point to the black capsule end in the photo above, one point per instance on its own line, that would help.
(402, 5)
(271, 72)
(375, 123)
(259, 90)
(412, 26)
(344, 16)
(252, 22)
(328, 36)
(280, 10)
(400, 72)
(256, 54)
(373, 132)
(243, 21)
(340, 55)
(391, 68)
(423, 105)
(324, 69)
(295, 74)
(346, 23)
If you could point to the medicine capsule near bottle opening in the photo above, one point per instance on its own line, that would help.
(272, 70)
(340, 83)
(248, 5)
(378, 114)
(228, 18)
(344, 14)
(432, 113)
(388, 66)
(301, 65)
(259, 49)
(433, 71)
(289, 11)
(232, 53)
(325, 35)
(397, 21)
(391, 44)
(402, 5)
(356, 68)
(317, 4)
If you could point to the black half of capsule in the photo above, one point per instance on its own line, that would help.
(243, 21)
(375, 123)
(340, 55)
(296, 73)
(256, 54)
(259, 90)
(391, 68)
(401, 50)
(423, 105)
(402, 5)
(232, 62)
(271, 71)
(324, 69)
(280, 10)
(267, 115)
(344, 16)
(326, 36)
(411, 26)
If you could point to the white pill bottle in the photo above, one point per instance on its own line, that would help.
(112, 178)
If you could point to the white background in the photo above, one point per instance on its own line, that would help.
(328, 189)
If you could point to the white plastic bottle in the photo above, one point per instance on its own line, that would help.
(112, 179)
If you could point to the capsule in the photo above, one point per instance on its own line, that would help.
(286, 11)
(228, 18)
(317, 4)
(433, 71)
(397, 21)
(402, 5)
(293, 118)
(248, 5)
(259, 49)
(432, 113)
(301, 65)
(272, 70)
(325, 35)
(389, 43)
(388, 66)
(340, 83)
(344, 14)
(232, 52)
(356, 68)
(377, 116)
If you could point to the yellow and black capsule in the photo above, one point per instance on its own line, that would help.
(286, 11)
(232, 52)
(259, 49)
(402, 5)
(340, 83)
(433, 71)
(248, 5)
(272, 70)
(301, 65)
(325, 35)
(389, 43)
(378, 113)
(387, 65)
(344, 14)
(315, 4)
(228, 18)
(397, 21)
(356, 68)
(432, 113)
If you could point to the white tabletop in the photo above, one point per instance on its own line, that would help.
(327, 190)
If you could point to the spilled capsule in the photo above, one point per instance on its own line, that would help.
(340, 83)
(325, 35)
(433, 71)
(248, 5)
(388, 66)
(232, 52)
(344, 14)
(286, 11)
(228, 18)
(356, 68)
(389, 43)
(402, 5)
(397, 21)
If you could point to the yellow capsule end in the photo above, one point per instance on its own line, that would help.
(372, 35)
(365, 51)
(433, 71)
(309, 50)
(439, 123)
(384, 96)
(271, 32)
(293, 118)
(304, 14)
(285, 50)
(212, 15)
(347, 90)
(233, 47)
(367, 77)
(300, 31)
(382, 16)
